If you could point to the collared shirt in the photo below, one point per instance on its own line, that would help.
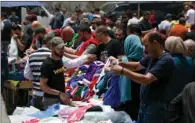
(162, 68)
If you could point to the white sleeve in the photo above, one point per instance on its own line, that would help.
(188, 13)
(129, 22)
(13, 49)
(72, 63)
(2, 25)
(160, 26)
(27, 71)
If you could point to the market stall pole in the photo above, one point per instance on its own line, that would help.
(10, 93)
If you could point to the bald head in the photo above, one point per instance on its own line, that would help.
(191, 47)
(67, 33)
(36, 25)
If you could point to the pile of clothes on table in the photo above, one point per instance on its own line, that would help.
(57, 113)
(92, 81)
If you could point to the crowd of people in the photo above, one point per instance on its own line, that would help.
(158, 60)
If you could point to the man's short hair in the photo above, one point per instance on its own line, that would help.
(47, 38)
(84, 28)
(134, 28)
(182, 20)
(156, 36)
(103, 30)
(16, 27)
(40, 30)
(121, 30)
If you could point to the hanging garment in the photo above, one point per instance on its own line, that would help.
(112, 95)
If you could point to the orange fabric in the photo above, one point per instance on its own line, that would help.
(178, 30)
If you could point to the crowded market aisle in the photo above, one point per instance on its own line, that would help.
(89, 68)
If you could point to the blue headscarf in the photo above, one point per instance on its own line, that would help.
(134, 51)
(133, 48)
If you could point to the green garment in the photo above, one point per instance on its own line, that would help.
(71, 42)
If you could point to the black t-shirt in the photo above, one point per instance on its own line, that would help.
(162, 68)
(145, 25)
(190, 35)
(25, 40)
(53, 70)
(113, 48)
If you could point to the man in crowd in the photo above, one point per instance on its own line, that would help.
(52, 73)
(23, 41)
(133, 20)
(144, 24)
(6, 28)
(28, 25)
(190, 15)
(120, 35)
(179, 30)
(70, 20)
(57, 20)
(39, 35)
(166, 24)
(108, 47)
(159, 68)
(70, 37)
(32, 70)
(89, 43)
(14, 19)
(191, 34)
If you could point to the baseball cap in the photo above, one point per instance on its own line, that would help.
(57, 42)
(40, 30)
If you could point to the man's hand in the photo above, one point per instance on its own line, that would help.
(90, 58)
(65, 98)
(15, 37)
(117, 69)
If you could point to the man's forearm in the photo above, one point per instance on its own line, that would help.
(49, 90)
(130, 65)
(70, 51)
(71, 56)
(138, 78)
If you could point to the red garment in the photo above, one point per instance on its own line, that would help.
(86, 44)
(152, 19)
(77, 114)
(59, 32)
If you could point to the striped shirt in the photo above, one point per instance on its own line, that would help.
(32, 69)
(35, 61)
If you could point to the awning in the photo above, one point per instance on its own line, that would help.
(19, 3)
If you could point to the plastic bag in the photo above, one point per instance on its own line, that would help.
(115, 117)
(51, 111)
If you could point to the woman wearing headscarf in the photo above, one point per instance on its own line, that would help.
(191, 52)
(129, 90)
(183, 68)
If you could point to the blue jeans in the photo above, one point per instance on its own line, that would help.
(152, 113)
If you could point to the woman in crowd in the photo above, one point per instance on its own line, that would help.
(183, 71)
(130, 90)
